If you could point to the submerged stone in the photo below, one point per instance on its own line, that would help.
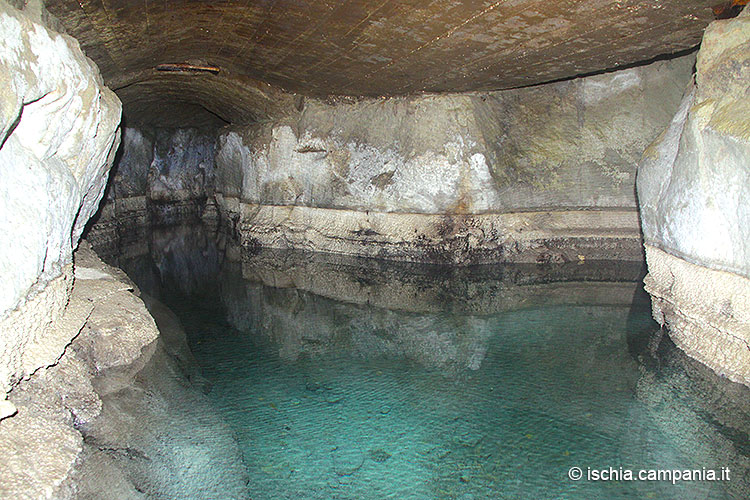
(379, 455)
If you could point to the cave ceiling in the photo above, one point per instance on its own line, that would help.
(359, 47)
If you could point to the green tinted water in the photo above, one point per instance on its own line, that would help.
(362, 380)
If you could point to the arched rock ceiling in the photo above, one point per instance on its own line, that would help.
(362, 47)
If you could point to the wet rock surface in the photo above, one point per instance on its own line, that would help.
(182, 166)
(693, 187)
(542, 237)
(707, 311)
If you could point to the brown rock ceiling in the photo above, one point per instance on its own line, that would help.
(361, 47)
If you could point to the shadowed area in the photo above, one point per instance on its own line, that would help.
(361, 47)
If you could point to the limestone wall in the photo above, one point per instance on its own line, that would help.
(694, 193)
(58, 135)
(560, 149)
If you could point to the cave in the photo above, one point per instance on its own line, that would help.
(366, 249)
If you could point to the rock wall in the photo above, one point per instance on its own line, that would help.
(73, 332)
(72, 436)
(531, 174)
(693, 189)
(160, 176)
(103, 326)
(182, 167)
(58, 136)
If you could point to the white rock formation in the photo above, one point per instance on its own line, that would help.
(694, 193)
(73, 434)
(561, 145)
(58, 135)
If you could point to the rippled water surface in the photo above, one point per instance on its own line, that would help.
(345, 379)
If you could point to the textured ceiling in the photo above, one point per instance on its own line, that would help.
(363, 47)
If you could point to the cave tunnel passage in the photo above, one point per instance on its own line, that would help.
(364, 249)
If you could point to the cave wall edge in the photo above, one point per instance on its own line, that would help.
(694, 193)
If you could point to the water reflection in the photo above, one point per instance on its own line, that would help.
(353, 378)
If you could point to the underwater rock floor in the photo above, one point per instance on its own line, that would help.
(345, 399)
(348, 426)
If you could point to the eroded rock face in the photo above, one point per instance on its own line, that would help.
(58, 135)
(568, 144)
(182, 167)
(180, 177)
(74, 435)
(693, 189)
(161, 176)
(431, 169)
(55, 401)
(132, 166)
(164, 164)
(577, 143)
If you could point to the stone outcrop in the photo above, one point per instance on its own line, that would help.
(73, 437)
(110, 327)
(58, 136)
(693, 189)
(535, 174)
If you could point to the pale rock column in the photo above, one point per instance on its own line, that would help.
(694, 194)
(58, 135)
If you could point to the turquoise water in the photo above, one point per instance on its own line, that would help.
(345, 379)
